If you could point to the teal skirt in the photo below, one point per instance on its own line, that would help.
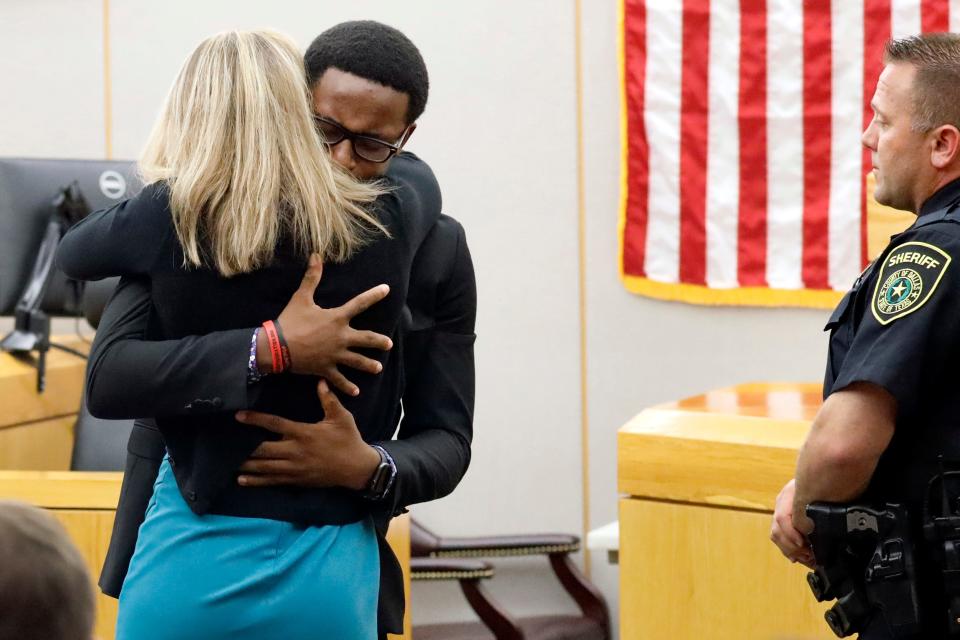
(227, 577)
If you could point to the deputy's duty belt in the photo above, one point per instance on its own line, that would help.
(865, 562)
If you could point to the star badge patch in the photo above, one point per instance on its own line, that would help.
(908, 277)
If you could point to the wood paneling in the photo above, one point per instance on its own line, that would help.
(692, 572)
(696, 469)
(90, 531)
(19, 400)
(85, 503)
(36, 429)
(46, 444)
(701, 476)
(733, 447)
(63, 489)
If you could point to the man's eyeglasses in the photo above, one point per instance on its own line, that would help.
(370, 149)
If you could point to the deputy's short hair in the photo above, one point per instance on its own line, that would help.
(373, 51)
(45, 589)
(936, 87)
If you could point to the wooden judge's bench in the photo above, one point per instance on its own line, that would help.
(36, 441)
(699, 478)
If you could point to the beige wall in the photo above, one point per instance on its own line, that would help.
(500, 131)
(51, 63)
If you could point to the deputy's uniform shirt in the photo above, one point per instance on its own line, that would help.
(899, 328)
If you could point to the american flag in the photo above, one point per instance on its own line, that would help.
(743, 171)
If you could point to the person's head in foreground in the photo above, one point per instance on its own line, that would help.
(914, 137)
(369, 85)
(237, 142)
(45, 590)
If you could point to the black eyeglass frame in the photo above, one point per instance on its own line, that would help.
(346, 134)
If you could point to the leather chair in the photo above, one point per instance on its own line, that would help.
(435, 557)
(98, 445)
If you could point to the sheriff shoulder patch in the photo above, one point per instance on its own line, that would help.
(908, 277)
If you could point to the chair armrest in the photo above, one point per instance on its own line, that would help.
(449, 569)
(500, 546)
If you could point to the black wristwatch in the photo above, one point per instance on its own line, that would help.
(382, 478)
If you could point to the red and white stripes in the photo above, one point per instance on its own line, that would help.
(744, 169)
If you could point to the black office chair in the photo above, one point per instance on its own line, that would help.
(98, 445)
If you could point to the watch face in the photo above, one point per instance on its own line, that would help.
(379, 480)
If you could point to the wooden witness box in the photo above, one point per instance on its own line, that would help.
(36, 429)
(36, 440)
(699, 478)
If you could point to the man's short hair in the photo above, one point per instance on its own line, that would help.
(45, 590)
(936, 87)
(375, 52)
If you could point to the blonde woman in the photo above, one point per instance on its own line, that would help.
(241, 193)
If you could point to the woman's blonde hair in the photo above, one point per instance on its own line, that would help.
(237, 144)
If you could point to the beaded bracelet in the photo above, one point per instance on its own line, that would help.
(253, 371)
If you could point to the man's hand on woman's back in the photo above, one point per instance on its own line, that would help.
(321, 339)
(329, 453)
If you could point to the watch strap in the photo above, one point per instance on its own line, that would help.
(383, 477)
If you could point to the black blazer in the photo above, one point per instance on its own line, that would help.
(206, 445)
(128, 377)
